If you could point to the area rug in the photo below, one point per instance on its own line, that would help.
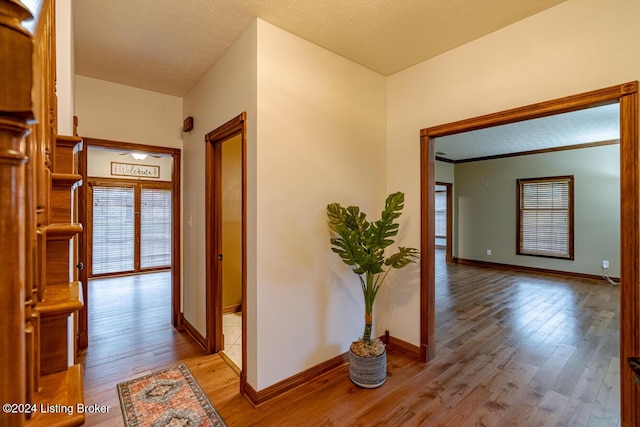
(170, 397)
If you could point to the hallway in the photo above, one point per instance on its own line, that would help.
(130, 335)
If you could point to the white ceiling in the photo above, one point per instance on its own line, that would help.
(166, 46)
(578, 127)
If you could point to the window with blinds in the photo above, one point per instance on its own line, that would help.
(545, 217)
(113, 230)
(155, 227)
(131, 228)
(441, 213)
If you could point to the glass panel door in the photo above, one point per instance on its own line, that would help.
(113, 229)
(155, 227)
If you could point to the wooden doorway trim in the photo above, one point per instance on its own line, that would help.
(213, 243)
(627, 96)
(176, 275)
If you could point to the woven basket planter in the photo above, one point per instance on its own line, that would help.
(368, 372)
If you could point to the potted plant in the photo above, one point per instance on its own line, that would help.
(361, 245)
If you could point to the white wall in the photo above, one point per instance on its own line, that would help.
(316, 134)
(65, 67)
(116, 112)
(99, 164)
(486, 214)
(227, 90)
(577, 46)
(321, 139)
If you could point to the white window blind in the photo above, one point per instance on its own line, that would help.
(441, 213)
(155, 227)
(545, 217)
(113, 229)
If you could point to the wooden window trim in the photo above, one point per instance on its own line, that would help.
(571, 212)
(118, 182)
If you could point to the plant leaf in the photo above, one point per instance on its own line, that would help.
(382, 230)
(336, 214)
(402, 258)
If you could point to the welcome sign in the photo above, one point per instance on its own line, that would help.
(131, 169)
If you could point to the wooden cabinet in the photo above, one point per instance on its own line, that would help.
(39, 296)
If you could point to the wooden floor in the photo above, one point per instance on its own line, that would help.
(513, 350)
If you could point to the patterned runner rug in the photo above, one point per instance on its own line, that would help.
(170, 397)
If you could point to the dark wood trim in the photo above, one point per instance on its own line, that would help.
(442, 159)
(114, 182)
(213, 287)
(519, 226)
(193, 332)
(83, 273)
(130, 273)
(251, 395)
(629, 255)
(230, 309)
(137, 228)
(243, 373)
(566, 104)
(540, 151)
(230, 362)
(176, 255)
(403, 347)
(257, 398)
(427, 250)
(209, 209)
(180, 322)
(227, 130)
(130, 146)
(625, 94)
(525, 269)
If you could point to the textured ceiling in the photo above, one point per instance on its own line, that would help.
(577, 127)
(166, 46)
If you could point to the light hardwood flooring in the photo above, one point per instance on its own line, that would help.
(513, 349)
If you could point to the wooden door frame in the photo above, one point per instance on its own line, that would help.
(175, 153)
(213, 244)
(83, 273)
(448, 257)
(627, 96)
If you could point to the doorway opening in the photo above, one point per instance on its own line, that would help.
(626, 95)
(226, 288)
(134, 206)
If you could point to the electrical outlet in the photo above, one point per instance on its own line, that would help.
(605, 264)
(489, 252)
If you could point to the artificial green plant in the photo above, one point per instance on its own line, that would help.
(361, 244)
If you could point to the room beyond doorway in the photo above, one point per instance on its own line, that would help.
(160, 191)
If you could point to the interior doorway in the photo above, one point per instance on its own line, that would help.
(155, 196)
(626, 95)
(225, 191)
